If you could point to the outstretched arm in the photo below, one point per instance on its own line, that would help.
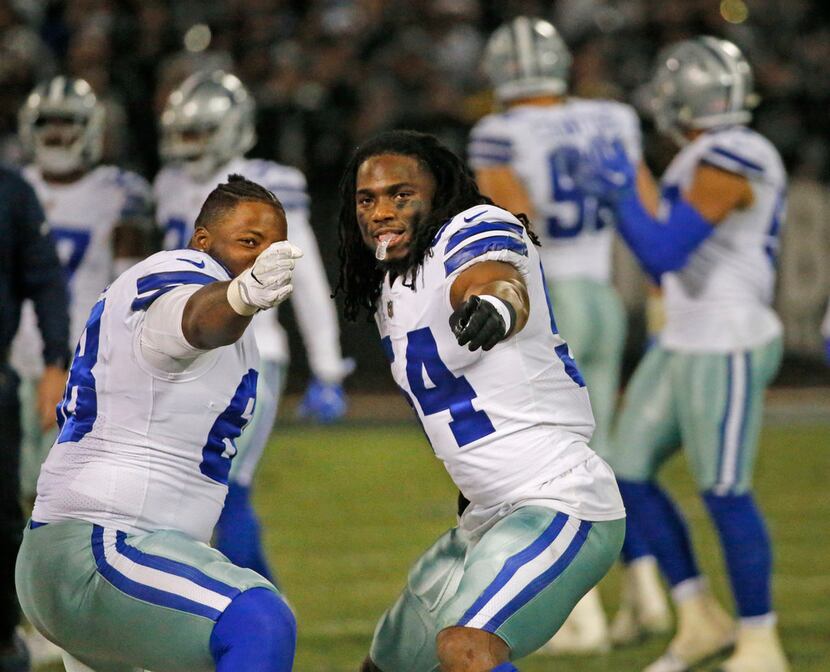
(663, 242)
(491, 303)
(187, 321)
(218, 313)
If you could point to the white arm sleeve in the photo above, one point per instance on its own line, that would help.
(313, 306)
(163, 344)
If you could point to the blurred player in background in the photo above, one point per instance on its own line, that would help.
(99, 217)
(712, 245)
(206, 128)
(115, 565)
(526, 159)
(461, 305)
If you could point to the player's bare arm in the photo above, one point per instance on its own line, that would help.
(647, 189)
(502, 185)
(715, 192)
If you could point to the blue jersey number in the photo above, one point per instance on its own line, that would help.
(71, 245)
(447, 392)
(174, 233)
(220, 447)
(79, 407)
(588, 214)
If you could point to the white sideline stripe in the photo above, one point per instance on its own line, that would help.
(526, 574)
(155, 578)
(732, 435)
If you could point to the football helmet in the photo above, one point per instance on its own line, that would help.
(527, 57)
(207, 121)
(61, 125)
(699, 84)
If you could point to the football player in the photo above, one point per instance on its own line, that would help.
(114, 565)
(99, 217)
(207, 127)
(526, 157)
(456, 287)
(712, 246)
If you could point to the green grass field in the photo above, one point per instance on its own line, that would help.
(347, 509)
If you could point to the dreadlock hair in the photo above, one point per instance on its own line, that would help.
(227, 196)
(455, 191)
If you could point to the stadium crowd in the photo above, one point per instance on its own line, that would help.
(327, 74)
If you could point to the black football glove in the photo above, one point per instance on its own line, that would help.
(478, 323)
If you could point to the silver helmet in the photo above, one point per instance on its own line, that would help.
(700, 83)
(207, 121)
(61, 125)
(527, 57)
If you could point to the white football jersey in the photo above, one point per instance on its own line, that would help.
(507, 422)
(544, 146)
(142, 449)
(82, 217)
(721, 300)
(179, 199)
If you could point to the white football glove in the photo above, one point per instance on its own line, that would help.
(267, 283)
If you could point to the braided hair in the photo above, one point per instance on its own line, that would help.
(456, 190)
(230, 194)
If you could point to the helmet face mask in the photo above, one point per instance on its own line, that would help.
(61, 126)
(527, 57)
(207, 121)
(700, 84)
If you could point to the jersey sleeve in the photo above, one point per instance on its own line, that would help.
(488, 234)
(491, 143)
(735, 151)
(162, 340)
(172, 270)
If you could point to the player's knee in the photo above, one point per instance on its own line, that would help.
(257, 632)
(461, 649)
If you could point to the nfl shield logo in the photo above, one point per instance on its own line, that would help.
(389, 310)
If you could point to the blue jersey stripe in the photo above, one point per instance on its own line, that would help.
(542, 581)
(514, 563)
(570, 365)
(501, 142)
(294, 205)
(482, 227)
(151, 287)
(141, 591)
(481, 247)
(746, 163)
(492, 158)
